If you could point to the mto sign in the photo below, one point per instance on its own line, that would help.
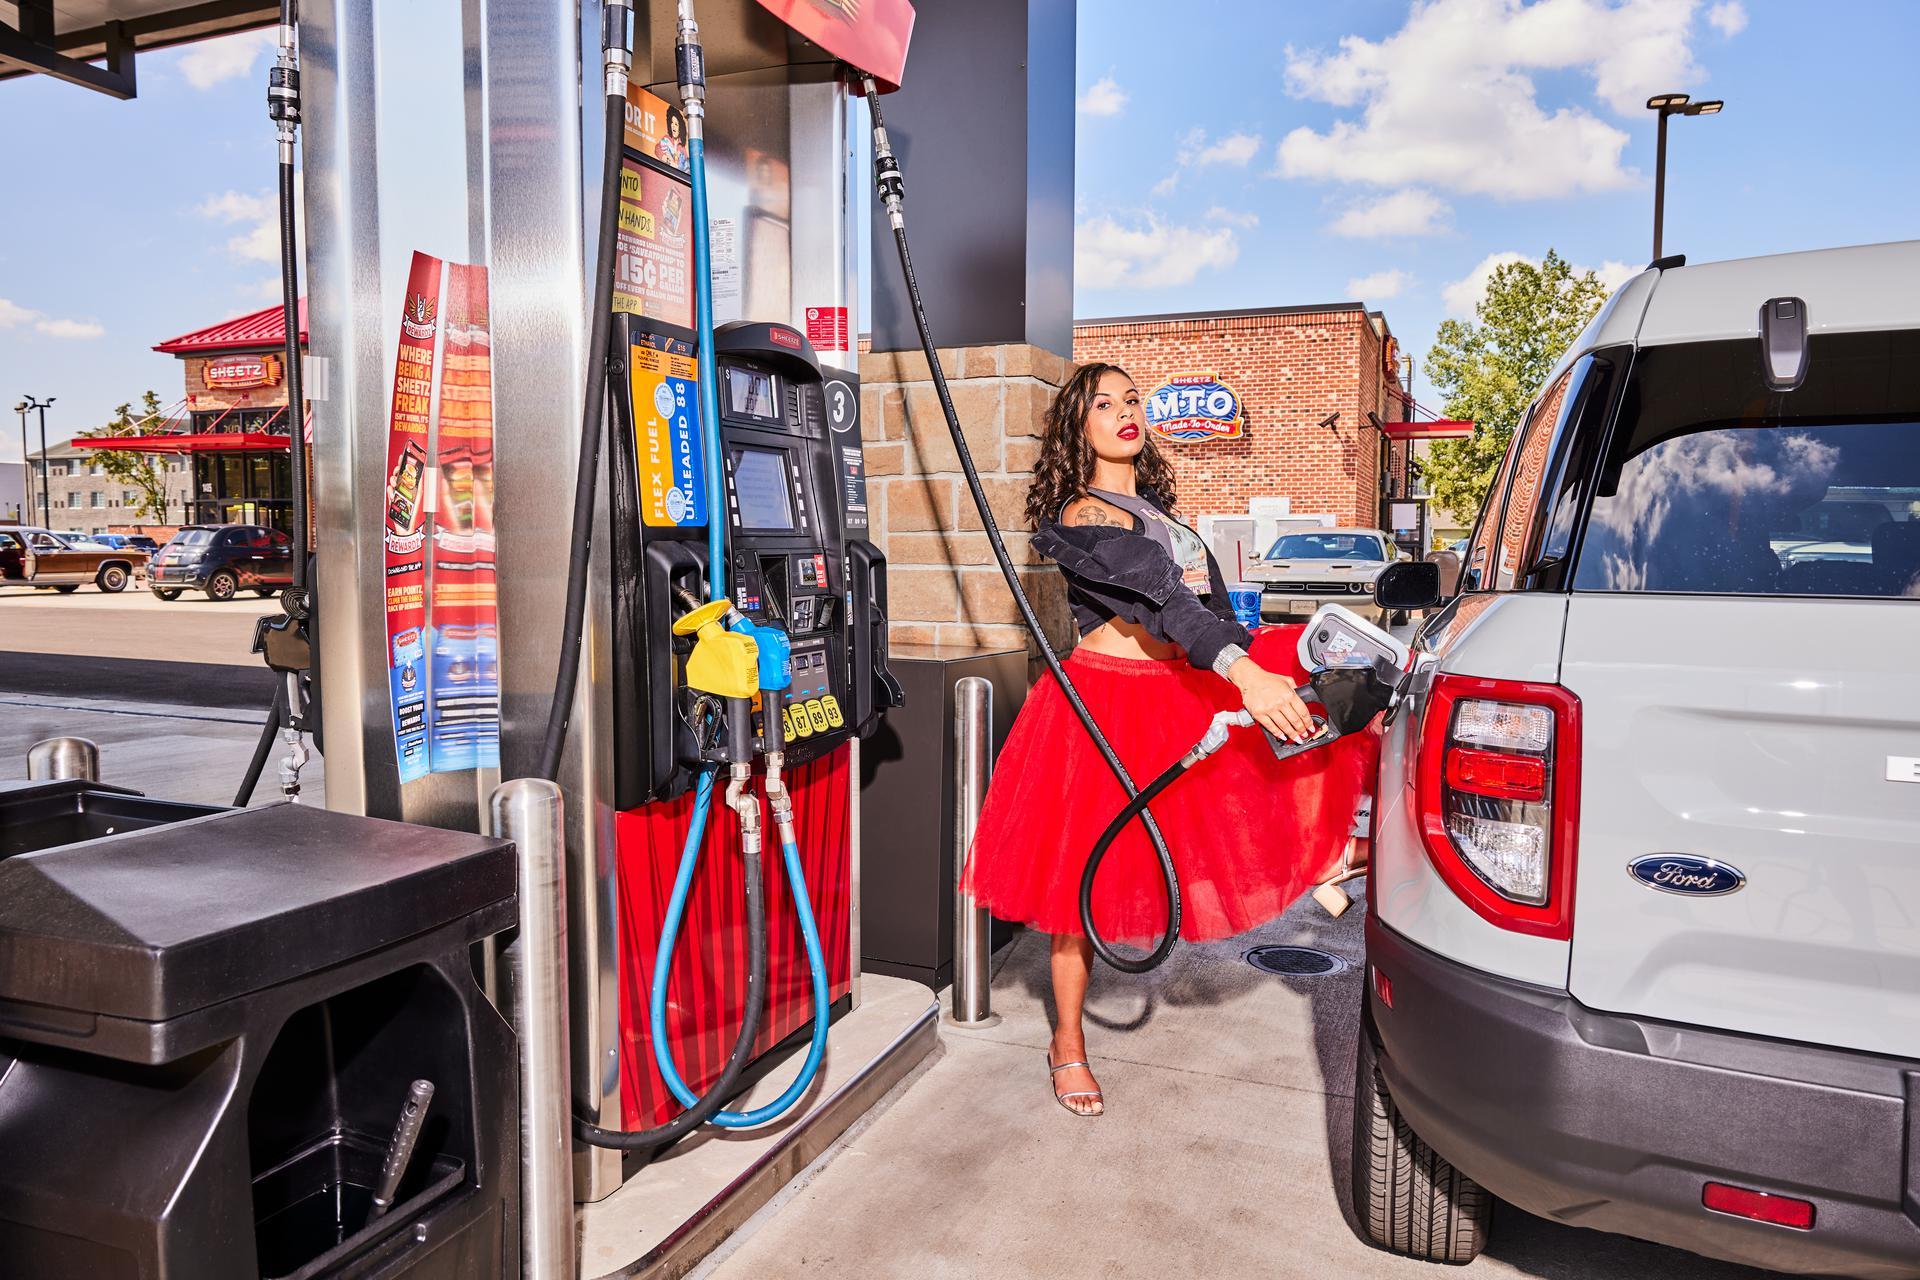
(243, 371)
(1191, 407)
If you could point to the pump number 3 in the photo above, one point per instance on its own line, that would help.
(843, 405)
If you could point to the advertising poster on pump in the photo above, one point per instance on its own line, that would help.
(653, 260)
(404, 534)
(463, 632)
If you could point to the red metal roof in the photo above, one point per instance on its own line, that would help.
(262, 329)
(205, 442)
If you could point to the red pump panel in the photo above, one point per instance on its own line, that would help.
(708, 988)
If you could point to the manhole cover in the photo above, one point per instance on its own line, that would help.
(1295, 962)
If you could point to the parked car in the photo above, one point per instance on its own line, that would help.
(1643, 952)
(65, 562)
(1310, 567)
(123, 541)
(222, 560)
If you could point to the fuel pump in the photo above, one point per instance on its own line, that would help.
(748, 625)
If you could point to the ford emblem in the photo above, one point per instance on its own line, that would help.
(1684, 873)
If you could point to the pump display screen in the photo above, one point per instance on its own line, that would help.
(760, 487)
(750, 394)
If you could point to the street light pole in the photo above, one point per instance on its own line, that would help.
(26, 469)
(1670, 104)
(46, 503)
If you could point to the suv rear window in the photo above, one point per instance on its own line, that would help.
(1714, 484)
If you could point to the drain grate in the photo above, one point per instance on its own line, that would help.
(1295, 962)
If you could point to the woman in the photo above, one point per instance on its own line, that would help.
(1160, 652)
(673, 148)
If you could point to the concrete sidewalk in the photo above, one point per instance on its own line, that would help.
(1224, 1152)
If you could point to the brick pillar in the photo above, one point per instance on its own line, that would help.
(942, 582)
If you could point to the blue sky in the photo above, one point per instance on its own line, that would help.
(1259, 153)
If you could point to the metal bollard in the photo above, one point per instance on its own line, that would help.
(60, 759)
(529, 812)
(972, 768)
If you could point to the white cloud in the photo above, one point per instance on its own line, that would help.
(1105, 98)
(70, 328)
(1449, 99)
(259, 240)
(1148, 255)
(1411, 212)
(1236, 217)
(1461, 296)
(1235, 149)
(1379, 286)
(12, 315)
(1729, 18)
(213, 62)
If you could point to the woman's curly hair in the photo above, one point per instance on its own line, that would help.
(1065, 468)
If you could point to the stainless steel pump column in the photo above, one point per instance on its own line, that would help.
(973, 769)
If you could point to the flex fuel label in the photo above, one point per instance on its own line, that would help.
(666, 443)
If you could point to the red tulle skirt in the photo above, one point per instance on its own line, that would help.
(1248, 833)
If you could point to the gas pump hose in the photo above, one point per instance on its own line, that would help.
(890, 184)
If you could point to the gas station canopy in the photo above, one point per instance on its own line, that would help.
(61, 37)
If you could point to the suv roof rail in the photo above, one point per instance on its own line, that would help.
(1671, 260)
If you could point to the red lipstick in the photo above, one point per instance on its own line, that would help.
(1129, 432)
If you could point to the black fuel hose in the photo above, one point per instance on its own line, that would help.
(723, 1088)
(276, 716)
(592, 419)
(889, 182)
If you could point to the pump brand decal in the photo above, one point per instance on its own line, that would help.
(408, 423)
(463, 692)
(783, 337)
(1684, 873)
(1193, 407)
(666, 434)
(653, 259)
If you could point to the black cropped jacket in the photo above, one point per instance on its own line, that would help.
(1117, 573)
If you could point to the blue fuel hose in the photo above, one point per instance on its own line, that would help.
(709, 371)
(816, 1047)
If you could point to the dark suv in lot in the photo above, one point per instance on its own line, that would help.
(222, 560)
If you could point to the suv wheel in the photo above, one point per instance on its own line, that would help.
(1407, 1198)
(222, 585)
(112, 577)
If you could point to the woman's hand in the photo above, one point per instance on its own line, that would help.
(1272, 701)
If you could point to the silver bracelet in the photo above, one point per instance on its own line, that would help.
(1224, 660)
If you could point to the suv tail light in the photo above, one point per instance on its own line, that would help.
(1498, 796)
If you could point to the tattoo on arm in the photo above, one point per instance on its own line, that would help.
(1090, 514)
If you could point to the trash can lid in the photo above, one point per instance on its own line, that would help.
(154, 924)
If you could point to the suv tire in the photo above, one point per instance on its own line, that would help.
(168, 593)
(222, 585)
(112, 578)
(68, 589)
(1406, 1197)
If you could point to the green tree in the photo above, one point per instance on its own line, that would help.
(1489, 368)
(140, 472)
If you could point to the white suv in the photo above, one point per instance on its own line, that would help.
(1644, 942)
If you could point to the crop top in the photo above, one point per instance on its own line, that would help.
(1132, 574)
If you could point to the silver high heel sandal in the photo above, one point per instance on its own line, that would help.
(1061, 1098)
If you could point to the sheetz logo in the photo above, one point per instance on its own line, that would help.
(1684, 873)
(1191, 407)
(783, 337)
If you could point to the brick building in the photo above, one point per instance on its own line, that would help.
(1292, 369)
(83, 498)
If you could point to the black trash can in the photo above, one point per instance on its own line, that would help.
(212, 1025)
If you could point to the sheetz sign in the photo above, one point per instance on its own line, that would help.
(243, 371)
(1191, 407)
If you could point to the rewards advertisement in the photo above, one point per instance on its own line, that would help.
(408, 423)
(463, 701)
(441, 606)
(653, 262)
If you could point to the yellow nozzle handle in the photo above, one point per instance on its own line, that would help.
(691, 623)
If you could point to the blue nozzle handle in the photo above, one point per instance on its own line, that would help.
(776, 653)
